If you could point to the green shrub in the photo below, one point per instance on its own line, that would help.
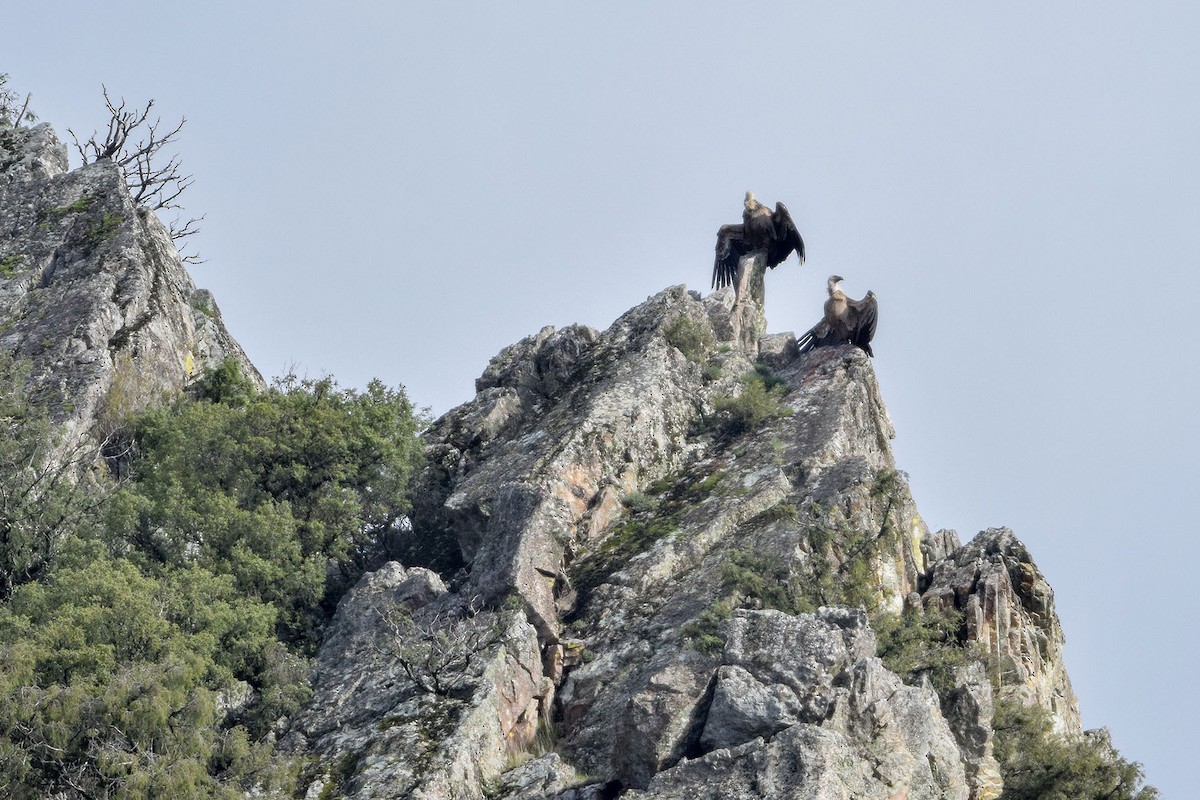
(104, 229)
(932, 644)
(109, 682)
(761, 580)
(780, 512)
(640, 502)
(770, 380)
(758, 403)
(699, 491)
(271, 488)
(692, 338)
(124, 634)
(10, 264)
(706, 633)
(1038, 764)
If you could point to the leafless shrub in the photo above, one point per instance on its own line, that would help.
(153, 183)
(44, 496)
(441, 652)
(10, 114)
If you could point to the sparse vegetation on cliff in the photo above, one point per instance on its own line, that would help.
(690, 337)
(929, 644)
(758, 402)
(1038, 764)
(14, 110)
(155, 180)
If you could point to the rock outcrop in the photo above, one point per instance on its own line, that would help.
(644, 562)
(415, 695)
(1009, 611)
(676, 529)
(92, 290)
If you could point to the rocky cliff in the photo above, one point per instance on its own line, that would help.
(92, 290)
(671, 559)
(664, 540)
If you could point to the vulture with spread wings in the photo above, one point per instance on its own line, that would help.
(761, 229)
(845, 321)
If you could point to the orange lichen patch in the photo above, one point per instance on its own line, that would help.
(607, 509)
(576, 488)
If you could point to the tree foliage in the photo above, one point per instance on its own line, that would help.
(292, 492)
(111, 684)
(1038, 764)
(924, 643)
(149, 648)
(44, 496)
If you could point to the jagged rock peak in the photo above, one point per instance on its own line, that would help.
(92, 289)
(608, 485)
(671, 533)
(1009, 611)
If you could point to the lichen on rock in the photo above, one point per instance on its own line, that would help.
(92, 290)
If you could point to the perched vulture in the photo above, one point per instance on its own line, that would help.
(760, 230)
(845, 321)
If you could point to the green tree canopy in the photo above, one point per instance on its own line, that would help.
(292, 491)
(45, 494)
(1038, 764)
(148, 647)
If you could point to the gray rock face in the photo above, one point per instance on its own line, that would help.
(373, 729)
(814, 681)
(677, 546)
(92, 290)
(775, 500)
(781, 670)
(968, 709)
(587, 418)
(1009, 608)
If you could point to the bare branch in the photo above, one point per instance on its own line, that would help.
(24, 109)
(440, 652)
(153, 183)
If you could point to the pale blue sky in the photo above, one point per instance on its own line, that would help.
(400, 190)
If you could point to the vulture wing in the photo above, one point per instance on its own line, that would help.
(731, 246)
(864, 315)
(820, 335)
(813, 337)
(786, 239)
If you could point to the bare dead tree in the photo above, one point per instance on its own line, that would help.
(9, 113)
(153, 183)
(441, 652)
